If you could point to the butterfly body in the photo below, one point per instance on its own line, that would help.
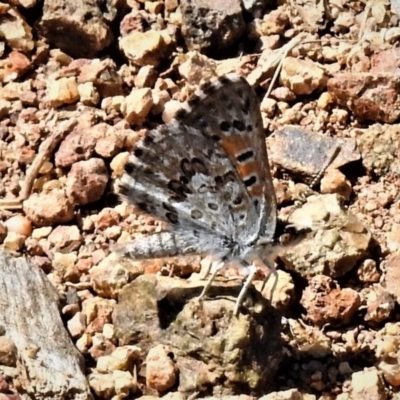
(207, 174)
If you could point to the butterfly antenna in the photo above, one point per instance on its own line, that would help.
(315, 181)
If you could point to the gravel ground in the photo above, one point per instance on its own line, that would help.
(82, 82)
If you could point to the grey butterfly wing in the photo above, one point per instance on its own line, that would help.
(180, 175)
(209, 168)
(234, 121)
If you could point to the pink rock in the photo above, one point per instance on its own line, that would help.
(87, 181)
(161, 371)
(77, 146)
(326, 303)
(369, 96)
(66, 238)
(49, 208)
(14, 66)
(110, 141)
(106, 218)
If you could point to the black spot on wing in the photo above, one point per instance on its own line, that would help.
(130, 167)
(199, 166)
(229, 177)
(148, 139)
(222, 180)
(196, 214)
(218, 181)
(243, 157)
(123, 189)
(252, 180)
(212, 206)
(181, 114)
(179, 188)
(194, 101)
(238, 201)
(225, 126)
(184, 180)
(172, 217)
(223, 80)
(169, 208)
(192, 167)
(239, 125)
(143, 206)
(209, 88)
(138, 152)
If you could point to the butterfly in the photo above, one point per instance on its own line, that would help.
(207, 174)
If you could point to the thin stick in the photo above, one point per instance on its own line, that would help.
(45, 151)
(284, 51)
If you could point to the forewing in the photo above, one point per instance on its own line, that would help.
(208, 168)
(233, 120)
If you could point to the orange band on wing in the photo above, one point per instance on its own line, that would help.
(233, 146)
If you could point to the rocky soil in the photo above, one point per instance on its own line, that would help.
(81, 81)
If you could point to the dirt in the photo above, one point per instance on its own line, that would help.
(81, 83)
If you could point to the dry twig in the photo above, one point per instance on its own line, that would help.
(57, 134)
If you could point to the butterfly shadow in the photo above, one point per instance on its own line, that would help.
(220, 300)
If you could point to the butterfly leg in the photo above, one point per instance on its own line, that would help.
(252, 271)
(216, 269)
(273, 272)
